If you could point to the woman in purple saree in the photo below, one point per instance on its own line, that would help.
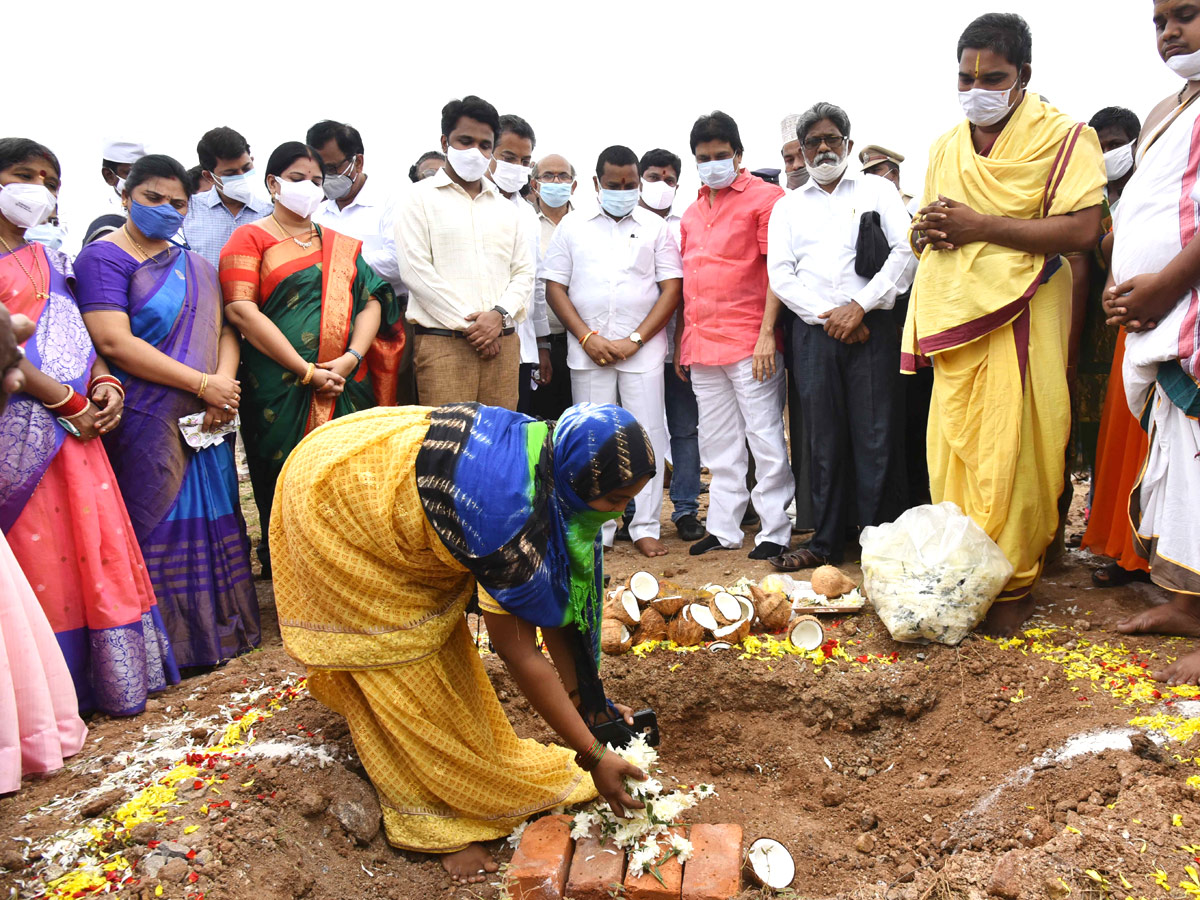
(156, 310)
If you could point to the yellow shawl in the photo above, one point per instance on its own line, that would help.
(1042, 164)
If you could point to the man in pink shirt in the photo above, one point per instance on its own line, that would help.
(728, 342)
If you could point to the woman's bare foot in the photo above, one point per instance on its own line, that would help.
(471, 865)
(1007, 616)
(1185, 670)
(1169, 618)
(650, 546)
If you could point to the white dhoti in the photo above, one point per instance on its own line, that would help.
(641, 393)
(735, 409)
(1166, 509)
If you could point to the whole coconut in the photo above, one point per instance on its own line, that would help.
(653, 627)
(615, 637)
(774, 611)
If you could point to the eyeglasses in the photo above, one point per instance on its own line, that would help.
(555, 177)
(336, 168)
(832, 141)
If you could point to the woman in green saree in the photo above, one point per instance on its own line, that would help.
(308, 307)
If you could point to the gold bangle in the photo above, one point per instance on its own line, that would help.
(65, 400)
(203, 385)
(583, 341)
(308, 374)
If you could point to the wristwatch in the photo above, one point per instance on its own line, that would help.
(506, 321)
(637, 339)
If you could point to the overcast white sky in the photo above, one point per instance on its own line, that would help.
(585, 77)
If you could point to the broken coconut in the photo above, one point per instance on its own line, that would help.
(769, 864)
(831, 582)
(735, 632)
(615, 637)
(643, 586)
(775, 611)
(702, 616)
(685, 632)
(653, 627)
(806, 633)
(725, 608)
(626, 608)
(669, 605)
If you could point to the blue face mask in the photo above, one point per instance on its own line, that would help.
(554, 194)
(717, 173)
(619, 203)
(47, 234)
(156, 222)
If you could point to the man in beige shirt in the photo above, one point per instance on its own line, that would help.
(464, 256)
(553, 184)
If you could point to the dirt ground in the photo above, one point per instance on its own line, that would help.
(1045, 766)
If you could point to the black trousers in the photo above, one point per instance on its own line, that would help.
(848, 400)
(549, 401)
(797, 442)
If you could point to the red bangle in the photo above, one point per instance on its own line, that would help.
(72, 406)
(106, 379)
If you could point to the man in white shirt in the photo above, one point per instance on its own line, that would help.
(660, 180)
(116, 160)
(845, 345)
(614, 278)
(553, 185)
(361, 209)
(512, 161)
(464, 257)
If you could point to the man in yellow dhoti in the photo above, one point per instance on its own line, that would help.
(1007, 190)
(384, 525)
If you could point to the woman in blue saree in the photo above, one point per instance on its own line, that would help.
(156, 310)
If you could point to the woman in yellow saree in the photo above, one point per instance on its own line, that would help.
(308, 307)
(385, 524)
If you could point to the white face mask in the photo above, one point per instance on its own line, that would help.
(338, 186)
(469, 165)
(238, 188)
(509, 177)
(717, 173)
(827, 172)
(1185, 65)
(984, 107)
(301, 197)
(1118, 161)
(658, 194)
(119, 187)
(26, 205)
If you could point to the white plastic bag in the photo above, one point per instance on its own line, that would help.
(932, 574)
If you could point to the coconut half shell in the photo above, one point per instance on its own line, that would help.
(685, 632)
(806, 633)
(775, 611)
(831, 582)
(643, 586)
(702, 616)
(725, 608)
(735, 633)
(769, 864)
(615, 637)
(670, 605)
(653, 627)
(627, 609)
(718, 646)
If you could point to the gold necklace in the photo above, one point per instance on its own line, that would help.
(40, 292)
(133, 240)
(304, 245)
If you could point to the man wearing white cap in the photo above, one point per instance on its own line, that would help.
(793, 159)
(118, 158)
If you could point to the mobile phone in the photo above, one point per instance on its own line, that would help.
(619, 733)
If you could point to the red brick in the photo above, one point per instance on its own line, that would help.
(595, 869)
(647, 887)
(714, 871)
(538, 870)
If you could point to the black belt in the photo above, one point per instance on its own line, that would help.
(446, 332)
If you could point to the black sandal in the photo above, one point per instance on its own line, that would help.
(1114, 575)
